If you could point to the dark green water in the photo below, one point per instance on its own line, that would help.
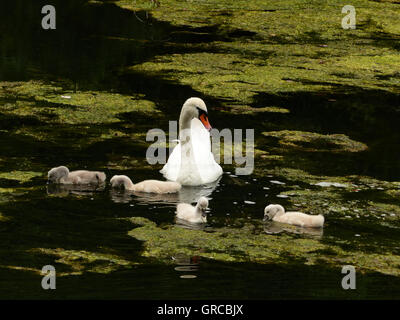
(87, 222)
(85, 51)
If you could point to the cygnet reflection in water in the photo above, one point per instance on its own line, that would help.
(186, 264)
(64, 190)
(125, 196)
(120, 195)
(273, 227)
(190, 225)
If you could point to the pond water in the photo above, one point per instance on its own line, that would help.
(113, 244)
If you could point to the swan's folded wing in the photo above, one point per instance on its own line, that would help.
(171, 169)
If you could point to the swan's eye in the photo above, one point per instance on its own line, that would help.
(201, 111)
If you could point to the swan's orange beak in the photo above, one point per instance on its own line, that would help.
(204, 120)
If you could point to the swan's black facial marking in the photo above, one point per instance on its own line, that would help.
(201, 111)
(203, 117)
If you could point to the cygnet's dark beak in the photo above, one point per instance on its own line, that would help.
(266, 218)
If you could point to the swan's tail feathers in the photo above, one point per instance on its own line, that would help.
(121, 182)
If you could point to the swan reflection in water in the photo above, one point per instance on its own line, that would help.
(63, 190)
(186, 264)
(273, 227)
(186, 195)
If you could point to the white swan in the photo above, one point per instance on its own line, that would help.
(149, 186)
(62, 175)
(192, 162)
(277, 213)
(194, 214)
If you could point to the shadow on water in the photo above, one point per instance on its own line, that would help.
(92, 41)
(369, 116)
(242, 281)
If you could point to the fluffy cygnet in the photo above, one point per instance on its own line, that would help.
(194, 214)
(277, 213)
(149, 186)
(63, 175)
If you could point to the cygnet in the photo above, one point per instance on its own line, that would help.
(194, 214)
(149, 186)
(64, 176)
(277, 213)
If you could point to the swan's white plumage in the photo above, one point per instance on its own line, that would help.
(210, 170)
(192, 162)
(171, 168)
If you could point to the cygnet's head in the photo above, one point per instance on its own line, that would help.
(116, 181)
(196, 108)
(202, 204)
(55, 174)
(272, 210)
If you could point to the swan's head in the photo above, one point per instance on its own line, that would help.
(196, 108)
(272, 210)
(120, 181)
(55, 174)
(115, 181)
(202, 205)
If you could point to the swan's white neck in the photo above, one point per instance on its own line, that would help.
(185, 124)
(185, 120)
(198, 209)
